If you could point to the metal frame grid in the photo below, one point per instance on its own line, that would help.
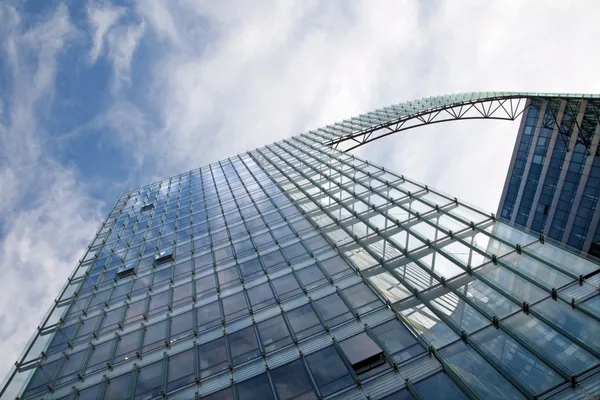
(280, 258)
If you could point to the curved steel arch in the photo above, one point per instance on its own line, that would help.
(354, 132)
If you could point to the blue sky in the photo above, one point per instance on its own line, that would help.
(99, 97)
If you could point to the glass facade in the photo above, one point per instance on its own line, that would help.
(297, 271)
(553, 180)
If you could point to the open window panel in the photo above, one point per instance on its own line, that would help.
(126, 270)
(163, 256)
(147, 207)
(364, 354)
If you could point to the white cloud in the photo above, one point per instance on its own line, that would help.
(122, 43)
(267, 72)
(102, 17)
(122, 39)
(45, 213)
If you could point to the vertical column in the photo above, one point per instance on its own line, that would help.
(534, 138)
(582, 184)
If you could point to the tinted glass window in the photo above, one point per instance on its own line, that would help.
(287, 286)
(208, 316)
(336, 267)
(235, 306)
(333, 310)
(212, 357)
(182, 326)
(128, 345)
(117, 387)
(304, 321)
(329, 371)
(311, 277)
(149, 381)
(243, 345)
(399, 342)
(291, 382)
(274, 333)
(99, 356)
(255, 388)
(362, 298)
(155, 336)
(181, 370)
(261, 296)
(439, 387)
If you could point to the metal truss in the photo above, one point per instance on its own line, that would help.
(349, 134)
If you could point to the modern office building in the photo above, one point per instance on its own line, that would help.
(298, 271)
(553, 182)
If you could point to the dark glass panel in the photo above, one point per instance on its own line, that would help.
(274, 333)
(291, 382)
(333, 309)
(149, 381)
(255, 388)
(261, 296)
(286, 286)
(208, 316)
(304, 321)
(398, 340)
(329, 371)
(212, 357)
(181, 370)
(439, 387)
(243, 345)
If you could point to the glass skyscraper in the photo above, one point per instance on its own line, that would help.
(553, 183)
(299, 271)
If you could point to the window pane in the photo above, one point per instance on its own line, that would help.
(274, 333)
(205, 285)
(251, 268)
(117, 387)
(329, 371)
(287, 286)
(336, 267)
(71, 366)
(159, 303)
(135, 311)
(182, 293)
(333, 310)
(524, 365)
(404, 394)
(208, 316)
(439, 386)
(181, 370)
(397, 339)
(99, 356)
(311, 277)
(255, 388)
(149, 381)
(291, 382)
(225, 394)
(112, 318)
(182, 326)
(304, 321)
(273, 260)
(235, 306)
(362, 298)
(155, 336)
(261, 296)
(128, 345)
(243, 345)
(480, 375)
(90, 393)
(212, 357)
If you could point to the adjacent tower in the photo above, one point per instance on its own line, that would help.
(553, 182)
(299, 271)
